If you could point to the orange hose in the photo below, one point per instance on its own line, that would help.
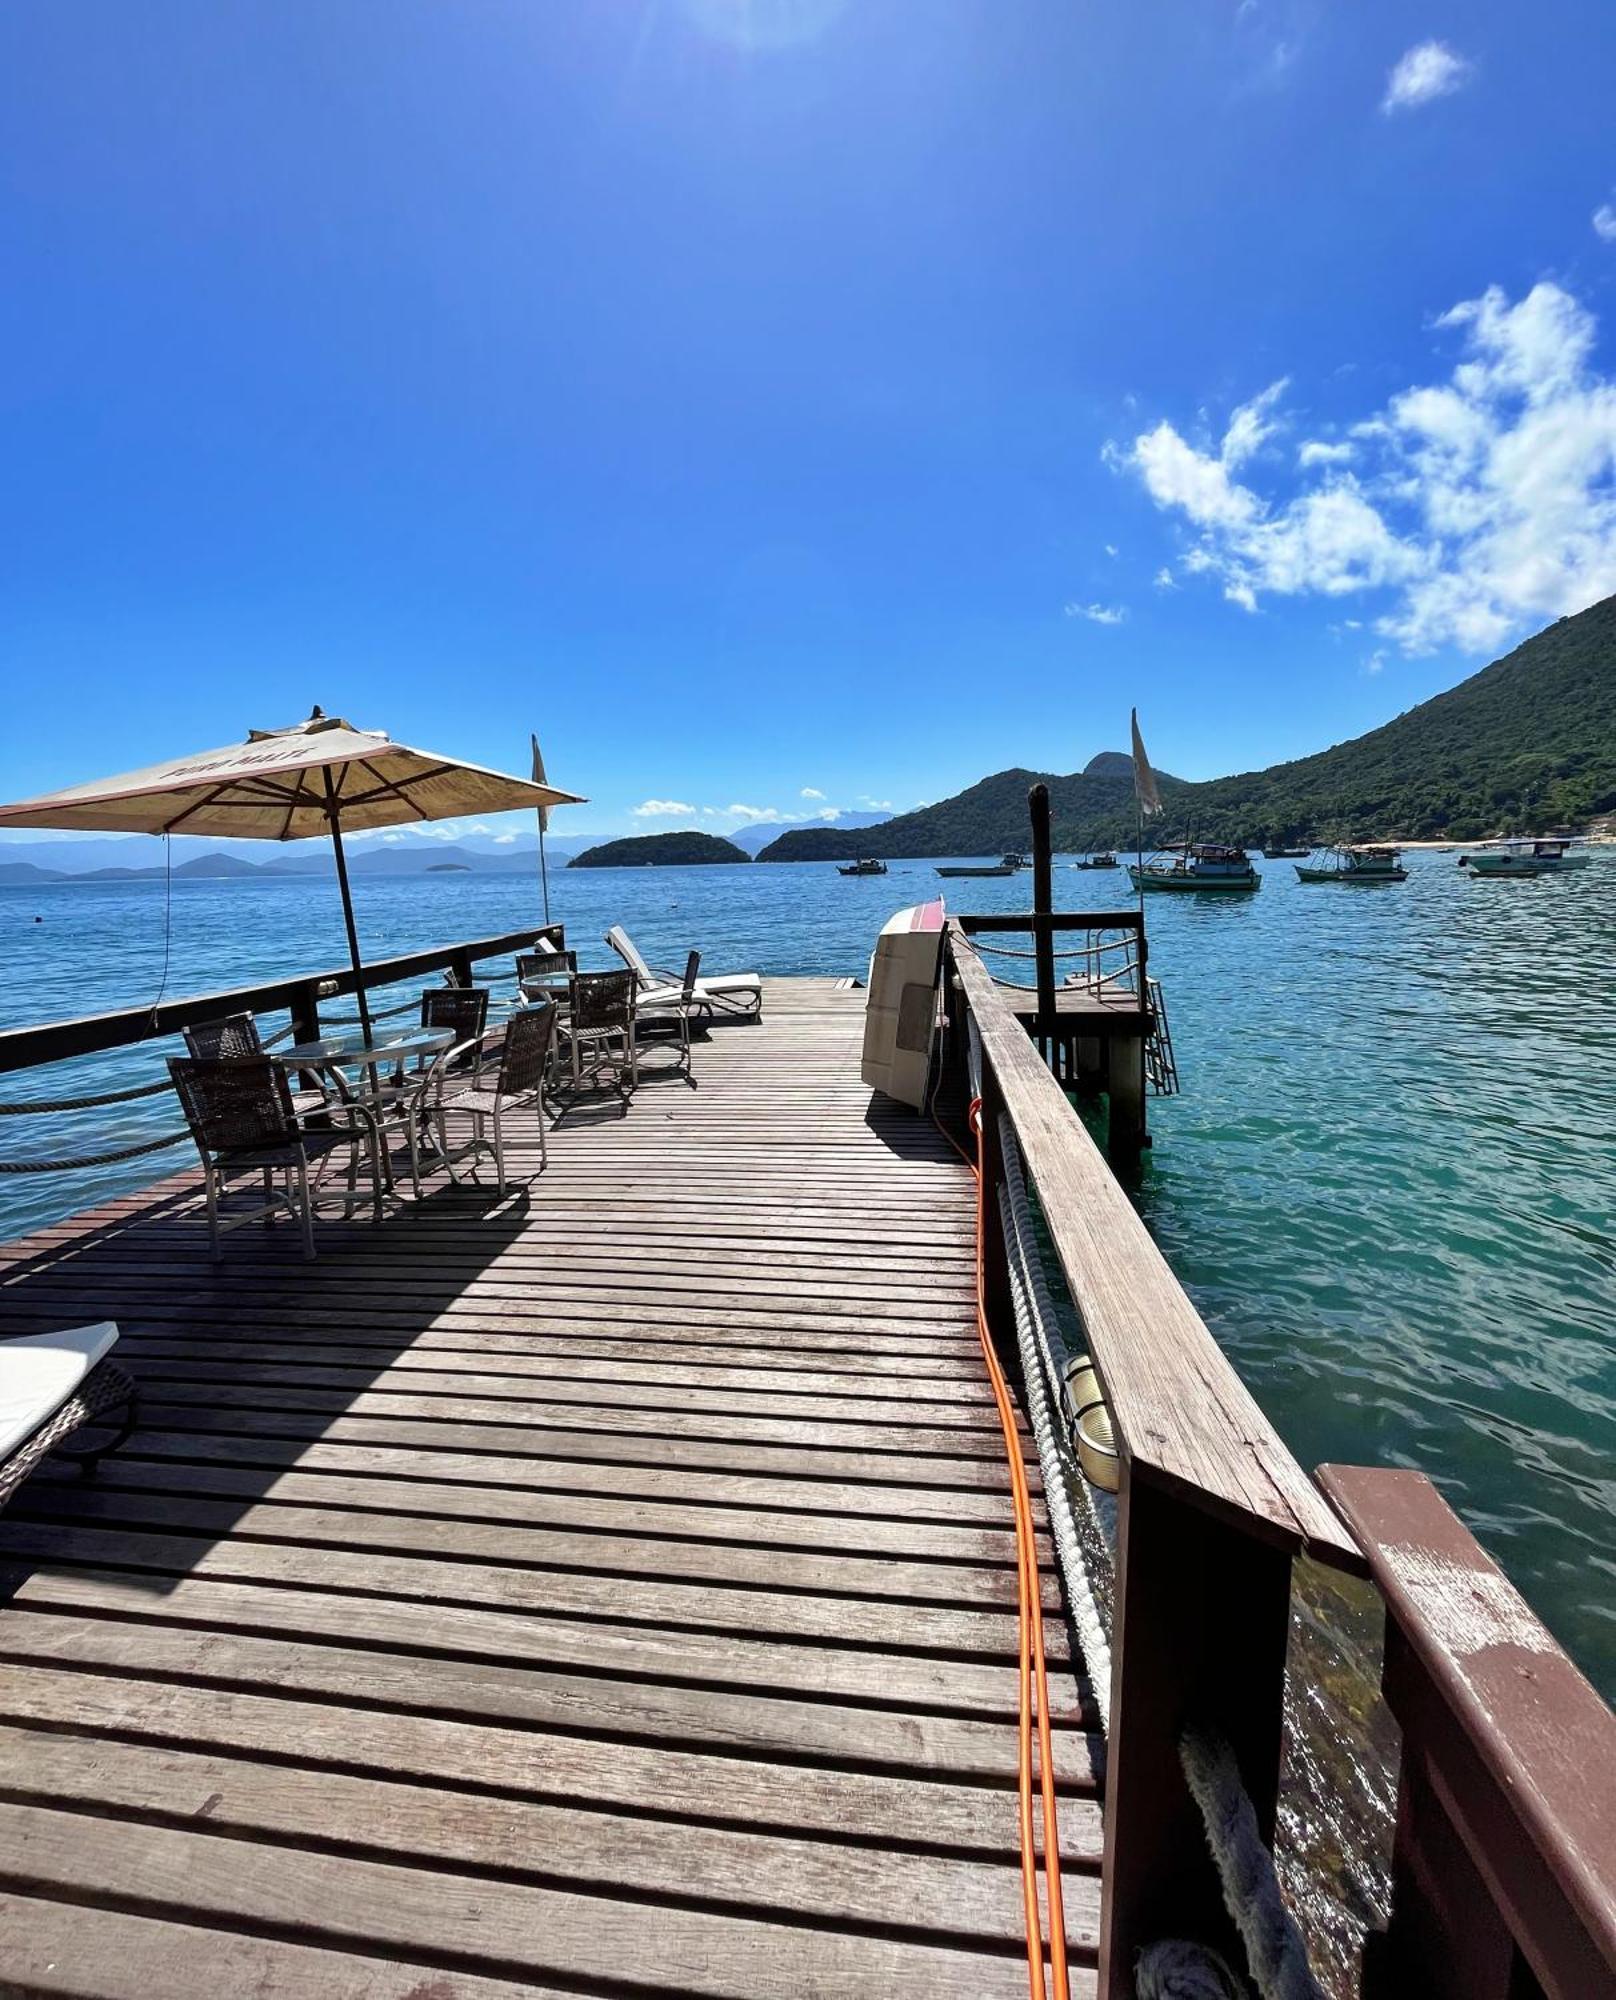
(1030, 1621)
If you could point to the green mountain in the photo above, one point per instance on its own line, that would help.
(1526, 744)
(659, 850)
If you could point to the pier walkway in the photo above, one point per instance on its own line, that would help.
(606, 1590)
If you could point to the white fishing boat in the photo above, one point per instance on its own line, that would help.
(1196, 867)
(1366, 862)
(1515, 858)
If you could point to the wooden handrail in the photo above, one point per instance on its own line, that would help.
(1184, 1419)
(89, 1034)
(1506, 1823)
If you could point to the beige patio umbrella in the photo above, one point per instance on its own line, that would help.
(316, 778)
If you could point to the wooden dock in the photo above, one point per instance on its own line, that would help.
(607, 1590)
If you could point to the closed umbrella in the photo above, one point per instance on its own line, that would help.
(318, 777)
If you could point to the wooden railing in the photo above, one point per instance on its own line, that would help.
(300, 997)
(1212, 1510)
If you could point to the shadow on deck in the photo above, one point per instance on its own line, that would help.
(606, 1589)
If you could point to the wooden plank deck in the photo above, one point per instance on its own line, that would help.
(610, 1590)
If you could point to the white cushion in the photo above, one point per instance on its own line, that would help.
(39, 1372)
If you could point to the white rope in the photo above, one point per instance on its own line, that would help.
(1274, 1948)
(1176, 1970)
(1036, 1335)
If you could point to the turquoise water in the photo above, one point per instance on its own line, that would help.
(1389, 1183)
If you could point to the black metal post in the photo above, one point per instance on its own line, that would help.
(333, 813)
(1043, 903)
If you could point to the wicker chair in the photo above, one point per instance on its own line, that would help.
(546, 975)
(239, 1110)
(464, 1009)
(230, 1036)
(51, 1386)
(672, 1010)
(600, 1032)
(492, 1086)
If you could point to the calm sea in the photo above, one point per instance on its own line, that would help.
(1389, 1183)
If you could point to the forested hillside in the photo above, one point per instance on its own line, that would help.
(1527, 743)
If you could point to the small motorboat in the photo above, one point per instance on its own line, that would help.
(1363, 863)
(1280, 853)
(1516, 858)
(1096, 861)
(866, 867)
(1195, 867)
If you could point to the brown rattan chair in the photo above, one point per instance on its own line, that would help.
(600, 1032)
(463, 1009)
(670, 1010)
(234, 1035)
(514, 1076)
(231, 1035)
(546, 975)
(239, 1110)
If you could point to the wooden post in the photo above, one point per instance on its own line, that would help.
(1043, 903)
(305, 1012)
(1202, 1616)
(995, 1252)
(1125, 1093)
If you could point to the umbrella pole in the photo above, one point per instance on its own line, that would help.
(347, 905)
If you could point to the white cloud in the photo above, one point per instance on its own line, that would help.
(753, 815)
(808, 792)
(1317, 451)
(1604, 221)
(876, 805)
(1110, 548)
(1427, 71)
(1483, 504)
(1164, 579)
(1249, 427)
(1098, 614)
(662, 809)
(1376, 662)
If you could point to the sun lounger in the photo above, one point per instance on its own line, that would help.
(51, 1384)
(718, 993)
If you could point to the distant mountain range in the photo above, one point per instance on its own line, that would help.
(139, 857)
(1526, 744)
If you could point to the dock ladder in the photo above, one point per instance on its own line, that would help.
(1161, 1065)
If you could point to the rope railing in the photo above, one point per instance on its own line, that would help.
(22, 1106)
(67, 1164)
(1170, 1969)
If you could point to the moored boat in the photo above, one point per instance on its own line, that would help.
(1096, 861)
(1198, 865)
(1008, 866)
(864, 867)
(1276, 851)
(1514, 858)
(1364, 862)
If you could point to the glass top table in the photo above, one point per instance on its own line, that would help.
(355, 1050)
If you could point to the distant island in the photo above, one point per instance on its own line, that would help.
(1525, 745)
(660, 850)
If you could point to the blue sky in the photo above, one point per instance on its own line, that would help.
(765, 399)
